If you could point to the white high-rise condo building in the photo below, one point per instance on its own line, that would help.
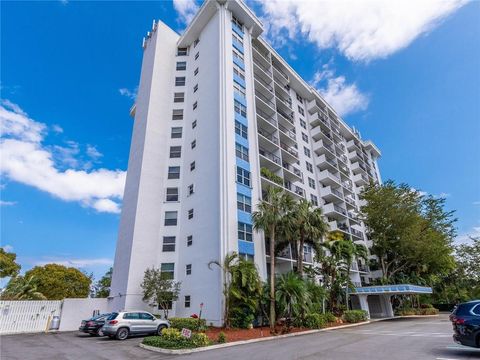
(219, 117)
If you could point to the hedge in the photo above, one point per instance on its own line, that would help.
(187, 323)
(318, 321)
(412, 311)
(172, 339)
(355, 316)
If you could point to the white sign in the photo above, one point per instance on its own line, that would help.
(186, 333)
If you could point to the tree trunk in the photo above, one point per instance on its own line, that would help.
(300, 255)
(272, 280)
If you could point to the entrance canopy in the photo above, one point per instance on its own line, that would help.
(393, 289)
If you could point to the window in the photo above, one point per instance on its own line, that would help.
(195, 72)
(237, 55)
(300, 110)
(189, 240)
(195, 104)
(476, 310)
(299, 98)
(145, 316)
(190, 189)
(170, 218)
(182, 51)
(237, 38)
(168, 244)
(174, 172)
(306, 151)
(247, 257)
(180, 81)
(245, 232)
(172, 194)
(176, 133)
(190, 214)
(241, 152)
(196, 57)
(177, 114)
(178, 97)
(192, 166)
(243, 176)
(193, 144)
(305, 137)
(167, 270)
(188, 269)
(237, 70)
(244, 203)
(195, 88)
(314, 200)
(175, 151)
(187, 301)
(241, 129)
(237, 23)
(132, 316)
(309, 166)
(195, 43)
(240, 108)
(303, 124)
(181, 65)
(238, 89)
(194, 124)
(311, 183)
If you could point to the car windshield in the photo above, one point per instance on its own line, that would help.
(99, 317)
(112, 316)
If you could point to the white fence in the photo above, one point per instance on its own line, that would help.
(36, 316)
(27, 316)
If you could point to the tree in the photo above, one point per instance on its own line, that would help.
(8, 265)
(58, 282)
(292, 295)
(226, 268)
(411, 233)
(159, 289)
(102, 286)
(308, 226)
(270, 213)
(22, 288)
(349, 252)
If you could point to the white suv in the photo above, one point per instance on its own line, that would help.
(125, 323)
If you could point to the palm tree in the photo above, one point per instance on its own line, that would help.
(22, 288)
(309, 226)
(350, 252)
(270, 213)
(226, 267)
(292, 295)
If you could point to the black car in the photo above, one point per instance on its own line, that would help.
(93, 326)
(466, 323)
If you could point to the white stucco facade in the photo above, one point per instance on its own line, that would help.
(244, 114)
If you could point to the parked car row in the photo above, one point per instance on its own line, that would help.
(465, 319)
(121, 325)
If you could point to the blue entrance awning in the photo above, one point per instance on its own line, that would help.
(393, 289)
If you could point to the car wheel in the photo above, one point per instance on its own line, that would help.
(100, 332)
(160, 329)
(122, 334)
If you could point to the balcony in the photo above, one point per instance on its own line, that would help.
(315, 106)
(356, 233)
(262, 72)
(319, 133)
(263, 86)
(323, 162)
(270, 136)
(288, 135)
(320, 147)
(280, 75)
(292, 172)
(261, 57)
(360, 179)
(289, 152)
(317, 118)
(350, 200)
(353, 145)
(267, 121)
(269, 160)
(358, 167)
(329, 179)
(264, 103)
(286, 116)
(330, 194)
(335, 211)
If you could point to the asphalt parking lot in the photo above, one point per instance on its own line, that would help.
(414, 338)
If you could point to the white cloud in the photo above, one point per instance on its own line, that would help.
(57, 129)
(132, 94)
(78, 263)
(93, 153)
(186, 10)
(343, 97)
(7, 248)
(361, 30)
(466, 238)
(26, 160)
(476, 203)
(7, 203)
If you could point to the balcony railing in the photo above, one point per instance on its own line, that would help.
(281, 72)
(292, 169)
(356, 232)
(269, 136)
(339, 209)
(264, 83)
(269, 155)
(289, 149)
(338, 193)
(265, 69)
(289, 133)
(265, 99)
(266, 117)
(288, 117)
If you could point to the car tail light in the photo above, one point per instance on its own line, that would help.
(459, 321)
(90, 323)
(113, 322)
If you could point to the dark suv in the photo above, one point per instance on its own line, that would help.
(466, 323)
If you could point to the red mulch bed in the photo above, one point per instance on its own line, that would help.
(247, 334)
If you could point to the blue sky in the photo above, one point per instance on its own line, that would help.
(406, 75)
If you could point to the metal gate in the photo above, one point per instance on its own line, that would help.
(27, 316)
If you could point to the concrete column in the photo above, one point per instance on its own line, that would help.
(364, 303)
(388, 305)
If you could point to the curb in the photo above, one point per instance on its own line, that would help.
(242, 342)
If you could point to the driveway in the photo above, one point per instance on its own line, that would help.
(399, 339)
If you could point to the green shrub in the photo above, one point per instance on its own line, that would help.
(330, 317)
(171, 334)
(271, 176)
(355, 316)
(172, 339)
(222, 338)
(200, 339)
(188, 323)
(241, 318)
(315, 321)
